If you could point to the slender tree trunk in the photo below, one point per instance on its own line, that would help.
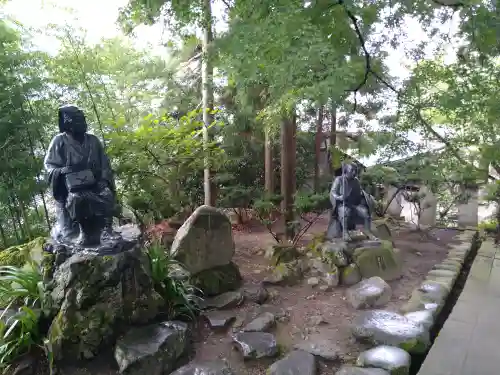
(24, 215)
(42, 194)
(317, 147)
(4, 238)
(268, 163)
(333, 134)
(35, 207)
(207, 72)
(14, 226)
(288, 173)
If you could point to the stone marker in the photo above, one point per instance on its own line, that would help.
(296, 362)
(372, 292)
(384, 261)
(204, 241)
(204, 368)
(380, 327)
(226, 300)
(352, 370)
(395, 360)
(152, 350)
(255, 345)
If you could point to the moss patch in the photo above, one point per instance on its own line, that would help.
(19, 255)
(218, 279)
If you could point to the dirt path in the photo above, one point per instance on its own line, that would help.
(305, 306)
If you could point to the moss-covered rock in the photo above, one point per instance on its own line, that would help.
(218, 279)
(350, 275)
(19, 255)
(381, 260)
(94, 298)
(289, 273)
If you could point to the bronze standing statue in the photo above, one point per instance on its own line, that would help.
(350, 204)
(81, 182)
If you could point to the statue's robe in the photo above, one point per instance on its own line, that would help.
(65, 151)
(334, 227)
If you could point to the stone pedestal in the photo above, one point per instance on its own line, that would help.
(95, 295)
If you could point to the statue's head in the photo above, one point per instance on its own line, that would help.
(350, 170)
(72, 120)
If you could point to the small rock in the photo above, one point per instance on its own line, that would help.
(204, 368)
(390, 358)
(351, 370)
(350, 275)
(297, 362)
(319, 347)
(219, 319)
(380, 327)
(255, 293)
(262, 323)
(226, 300)
(317, 320)
(255, 345)
(372, 292)
(325, 288)
(313, 281)
(152, 349)
(418, 253)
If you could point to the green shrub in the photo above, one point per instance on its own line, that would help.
(21, 294)
(172, 283)
(489, 226)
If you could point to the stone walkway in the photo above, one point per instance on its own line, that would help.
(469, 342)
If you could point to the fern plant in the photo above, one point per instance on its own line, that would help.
(172, 282)
(21, 296)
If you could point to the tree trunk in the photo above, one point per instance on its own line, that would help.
(4, 238)
(288, 173)
(333, 134)
(268, 164)
(27, 228)
(207, 72)
(317, 147)
(13, 217)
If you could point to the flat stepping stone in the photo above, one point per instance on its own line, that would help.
(380, 327)
(226, 300)
(372, 292)
(352, 370)
(261, 323)
(219, 319)
(152, 349)
(395, 360)
(297, 362)
(255, 345)
(204, 368)
(322, 348)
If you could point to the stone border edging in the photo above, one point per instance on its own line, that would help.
(442, 274)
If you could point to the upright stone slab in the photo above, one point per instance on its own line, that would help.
(204, 245)
(378, 260)
(204, 241)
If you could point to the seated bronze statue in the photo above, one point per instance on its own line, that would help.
(351, 205)
(81, 182)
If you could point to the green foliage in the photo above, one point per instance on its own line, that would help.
(21, 294)
(172, 283)
(160, 163)
(307, 209)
